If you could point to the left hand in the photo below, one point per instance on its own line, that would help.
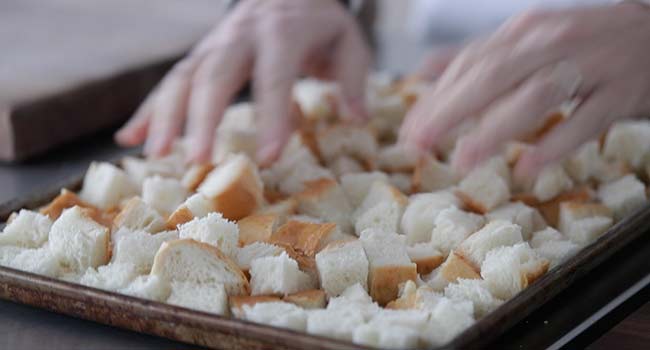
(522, 73)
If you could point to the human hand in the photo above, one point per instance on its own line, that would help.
(272, 42)
(521, 74)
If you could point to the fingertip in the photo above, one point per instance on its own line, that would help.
(528, 166)
(268, 153)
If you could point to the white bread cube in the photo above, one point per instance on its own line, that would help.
(379, 335)
(495, 234)
(149, 287)
(345, 165)
(433, 175)
(508, 270)
(425, 256)
(196, 206)
(628, 141)
(341, 265)
(455, 267)
(308, 299)
(336, 323)
(230, 142)
(282, 208)
(390, 264)
(452, 226)
(583, 223)
(139, 169)
(325, 199)
(316, 98)
(448, 319)
(258, 227)
(486, 187)
(528, 218)
(302, 173)
(163, 194)
(105, 185)
(255, 250)
(356, 186)
(8, 253)
(585, 163)
(238, 302)
(40, 261)
(381, 209)
(195, 175)
(420, 214)
(78, 241)
(139, 247)
(387, 113)
(138, 215)
(27, 229)
(277, 314)
(215, 230)
(355, 297)
(238, 116)
(548, 234)
(474, 290)
(113, 276)
(401, 181)
(551, 182)
(557, 252)
(202, 297)
(623, 196)
(341, 139)
(186, 260)
(278, 275)
(393, 158)
(234, 187)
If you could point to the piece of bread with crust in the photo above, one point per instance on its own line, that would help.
(138, 169)
(507, 270)
(215, 230)
(304, 237)
(421, 212)
(475, 291)
(334, 323)
(278, 275)
(486, 187)
(237, 302)
(195, 175)
(138, 215)
(27, 229)
(163, 194)
(258, 227)
(389, 262)
(393, 158)
(356, 186)
(234, 141)
(342, 139)
(196, 206)
(425, 256)
(623, 196)
(277, 314)
(528, 218)
(105, 185)
(401, 181)
(345, 165)
(234, 187)
(78, 241)
(551, 182)
(67, 199)
(495, 234)
(432, 175)
(204, 297)
(628, 141)
(316, 98)
(386, 336)
(456, 266)
(255, 250)
(41, 261)
(113, 277)
(283, 208)
(139, 247)
(308, 299)
(583, 223)
(186, 260)
(381, 209)
(325, 199)
(551, 210)
(449, 318)
(340, 265)
(148, 287)
(452, 226)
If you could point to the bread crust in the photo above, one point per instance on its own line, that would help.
(237, 302)
(458, 266)
(384, 281)
(196, 175)
(68, 199)
(532, 276)
(305, 237)
(241, 198)
(470, 203)
(308, 299)
(257, 228)
(427, 264)
(550, 210)
(179, 217)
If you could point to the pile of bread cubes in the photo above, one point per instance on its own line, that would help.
(345, 236)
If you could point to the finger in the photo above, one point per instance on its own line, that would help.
(217, 79)
(436, 61)
(134, 132)
(590, 119)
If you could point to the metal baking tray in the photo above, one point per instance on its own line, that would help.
(219, 332)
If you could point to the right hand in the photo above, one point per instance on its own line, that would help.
(272, 42)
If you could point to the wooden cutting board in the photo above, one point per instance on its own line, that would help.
(71, 67)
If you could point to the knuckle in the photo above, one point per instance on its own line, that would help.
(543, 91)
(563, 32)
(279, 25)
(527, 20)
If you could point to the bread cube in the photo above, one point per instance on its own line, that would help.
(557, 252)
(356, 298)
(186, 260)
(8, 253)
(139, 247)
(393, 158)
(78, 241)
(138, 215)
(381, 209)
(41, 261)
(345, 165)
(282, 208)
(163, 194)
(528, 218)
(255, 250)
(234, 188)
(67, 199)
(302, 236)
(475, 291)
(150, 287)
(234, 141)
(334, 323)
(258, 227)
(325, 199)
(28, 229)
(195, 175)
(583, 223)
(316, 98)
(421, 212)
(551, 181)
(432, 175)
(628, 141)
(495, 234)
(215, 230)
(201, 297)
(278, 275)
(507, 270)
(585, 163)
(455, 267)
(105, 185)
(238, 302)
(277, 314)
(389, 264)
(196, 206)
(113, 276)
(138, 169)
(341, 265)
(425, 256)
(623, 196)
(401, 181)
(356, 186)
(449, 318)
(545, 235)
(379, 335)
(452, 226)
(303, 173)
(342, 139)
(486, 187)
(308, 299)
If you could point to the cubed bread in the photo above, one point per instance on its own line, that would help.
(452, 226)
(303, 236)
(628, 141)
(234, 141)
(78, 241)
(138, 169)
(113, 277)
(283, 207)
(356, 186)
(186, 260)
(425, 256)
(507, 270)
(8, 253)
(545, 235)
(528, 218)
(495, 234)
(334, 323)
(623, 196)
(583, 223)
(308, 299)
(139, 247)
(449, 318)
(421, 212)
(345, 165)
(41, 261)
(302, 173)
(557, 252)
(389, 264)
(382, 209)
(250, 252)
(316, 98)
(486, 187)
(393, 158)
(550, 182)
(67, 199)
(196, 206)
(237, 302)
(234, 188)
(150, 287)
(551, 210)
(163, 194)
(215, 230)
(325, 199)
(356, 298)
(210, 298)
(432, 175)
(105, 185)
(455, 267)
(476, 291)
(195, 175)
(379, 335)
(258, 227)
(585, 163)
(342, 139)
(277, 314)
(341, 265)
(138, 215)
(401, 181)
(278, 275)
(28, 229)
